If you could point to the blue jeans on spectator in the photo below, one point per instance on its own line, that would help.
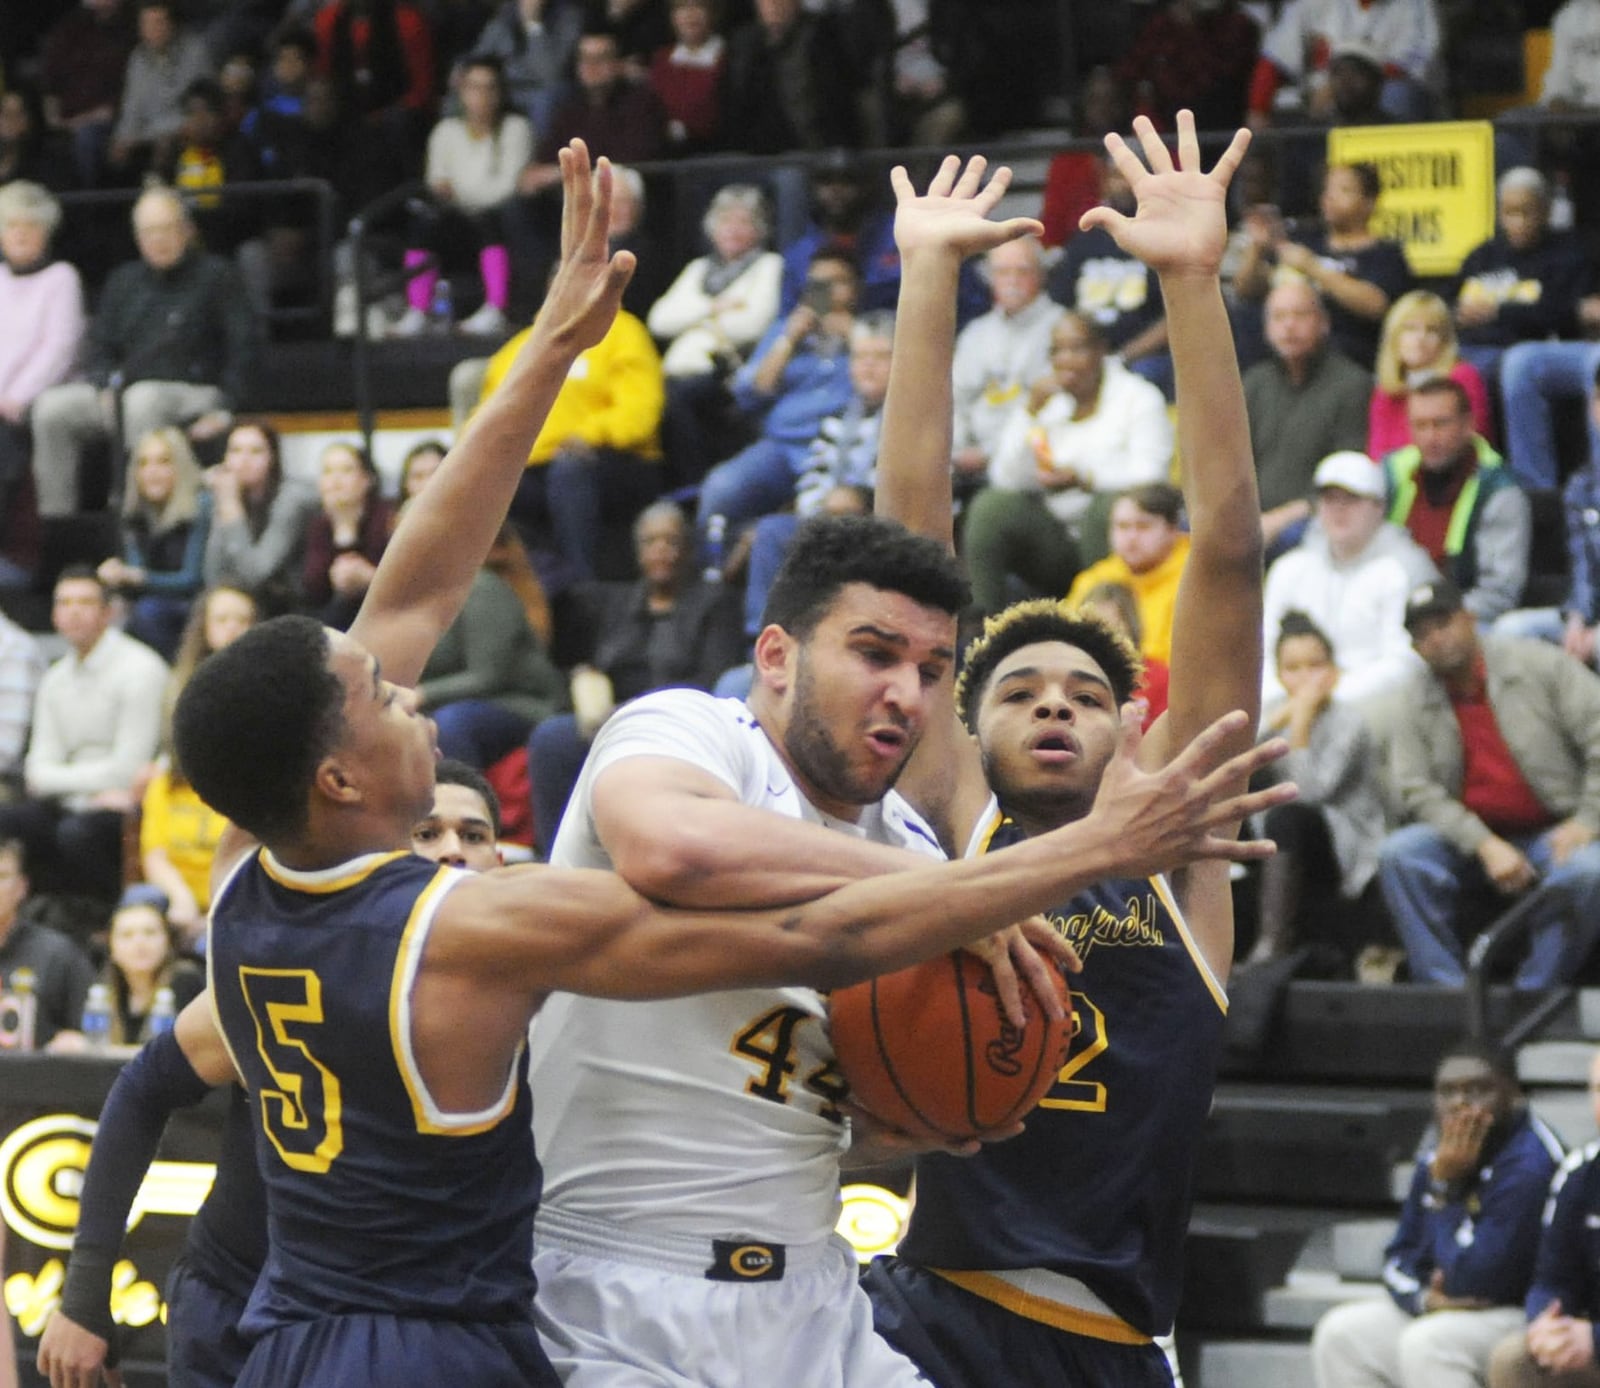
(478, 731)
(578, 490)
(1531, 375)
(555, 757)
(769, 542)
(1440, 897)
(159, 622)
(756, 480)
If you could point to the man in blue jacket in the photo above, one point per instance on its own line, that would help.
(1560, 1347)
(1465, 1244)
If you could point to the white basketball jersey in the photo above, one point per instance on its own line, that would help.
(707, 1116)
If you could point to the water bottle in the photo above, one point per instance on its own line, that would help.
(96, 1026)
(26, 1001)
(163, 1012)
(716, 535)
(442, 308)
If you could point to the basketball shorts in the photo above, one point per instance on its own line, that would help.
(619, 1310)
(378, 1351)
(204, 1347)
(962, 1341)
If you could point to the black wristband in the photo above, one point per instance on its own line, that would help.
(86, 1294)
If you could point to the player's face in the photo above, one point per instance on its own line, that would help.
(459, 831)
(389, 748)
(1047, 725)
(857, 694)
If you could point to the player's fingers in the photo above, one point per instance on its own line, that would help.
(1156, 153)
(1188, 142)
(988, 197)
(596, 229)
(1210, 748)
(568, 200)
(1042, 980)
(971, 179)
(1238, 769)
(1017, 227)
(1046, 939)
(944, 178)
(1241, 807)
(113, 1378)
(1228, 164)
(1004, 1134)
(1127, 162)
(1008, 988)
(900, 181)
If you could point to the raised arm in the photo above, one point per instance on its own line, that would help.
(429, 566)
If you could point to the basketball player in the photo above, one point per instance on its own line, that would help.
(1057, 1257)
(226, 1242)
(691, 1148)
(377, 1006)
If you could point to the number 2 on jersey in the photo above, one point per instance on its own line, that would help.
(1089, 1040)
(303, 1115)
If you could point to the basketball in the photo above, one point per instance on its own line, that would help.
(929, 1050)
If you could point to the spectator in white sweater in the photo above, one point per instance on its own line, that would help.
(473, 163)
(1073, 442)
(1350, 575)
(41, 306)
(709, 319)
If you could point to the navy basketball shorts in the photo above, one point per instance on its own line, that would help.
(204, 1347)
(962, 1341)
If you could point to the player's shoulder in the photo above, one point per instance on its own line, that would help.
(905, 828)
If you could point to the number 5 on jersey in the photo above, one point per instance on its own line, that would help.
(302, 1115)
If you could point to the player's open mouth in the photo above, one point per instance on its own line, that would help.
(1054, 749)
(887, 742)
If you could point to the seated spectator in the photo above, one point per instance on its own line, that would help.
(259, 526)
(21, 667)
(1299, 46)
(346, 537)
(1115, 605)
(489, 681)
(598, 457)
(1462, 1256)
(1496, 761)
(207, 156)
(166, 521)
(275, 125)
(61, 971)
(1557, 1347)
(1305, 401)
(1419, 343)
(1523, 284)
(142, 958)
(1196, 57)
(1358, 274)
(535, 41)
(688, 75)
(1328, 837)
(668, 630)
(82, 63)
(1116, 292)
(379, 54)
(190, 375)
(179, 832)
(1575, 625)
(1000, 354)
(29, 149)
(167, 58)
(791, 83)
(795, 378)
(41, 304)
(917, 59)
(1350, 574)
(1534, 376)
(474, 160)
(642, 29)
(1449, 490)
(840, 467)
(1104, 103)
(1086, 432)
(96, 726)
(1148, 552)
(715, 312)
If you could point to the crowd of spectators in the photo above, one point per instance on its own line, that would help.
(1406, 431)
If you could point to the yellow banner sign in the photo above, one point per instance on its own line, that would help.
(1438, 186)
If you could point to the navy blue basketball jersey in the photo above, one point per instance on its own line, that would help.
(1097, 1187)
(378, 1202)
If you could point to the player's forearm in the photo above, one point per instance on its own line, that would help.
(913, 481)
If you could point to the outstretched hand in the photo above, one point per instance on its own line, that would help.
(1181, 226)
(953, 215)
(586, 291)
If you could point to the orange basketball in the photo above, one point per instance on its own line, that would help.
(929, 1050)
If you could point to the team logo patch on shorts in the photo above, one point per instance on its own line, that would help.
(733, 1261)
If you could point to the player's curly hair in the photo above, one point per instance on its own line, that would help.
(830, 551)
(254, 721)
(1044, 619)
(450, 772)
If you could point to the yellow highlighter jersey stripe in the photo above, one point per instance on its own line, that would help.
(333, 879)
(1164, 891)
(1097, 1325)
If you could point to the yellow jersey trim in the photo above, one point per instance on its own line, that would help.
(328, 880)
(425, 1111)
(1095, 1324)
(1218, 995)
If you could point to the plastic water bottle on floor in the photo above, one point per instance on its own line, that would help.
(96, 1026)
(716, 537)
(442, 309)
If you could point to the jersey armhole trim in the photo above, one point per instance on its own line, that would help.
(1219, 994)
